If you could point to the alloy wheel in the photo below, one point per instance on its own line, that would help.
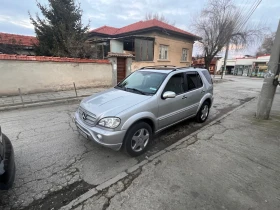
(140, 140)
(204, 112)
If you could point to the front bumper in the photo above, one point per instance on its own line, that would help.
(110, 139)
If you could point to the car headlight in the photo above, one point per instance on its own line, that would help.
(109, 122)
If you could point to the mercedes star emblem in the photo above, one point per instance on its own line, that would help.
(84, 115)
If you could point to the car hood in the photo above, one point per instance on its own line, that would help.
(112, 102)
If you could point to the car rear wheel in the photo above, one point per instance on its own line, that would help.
(137, 139)
(203, 112)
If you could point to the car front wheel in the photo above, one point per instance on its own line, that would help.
(137, 139)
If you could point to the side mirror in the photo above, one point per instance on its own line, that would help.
(168, 94)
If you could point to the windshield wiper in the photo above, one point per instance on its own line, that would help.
(120, 87)
(136, 90)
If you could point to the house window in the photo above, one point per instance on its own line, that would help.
(184, 54)
(163, 52)
(144, 50)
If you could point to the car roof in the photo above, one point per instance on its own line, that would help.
(169, 70)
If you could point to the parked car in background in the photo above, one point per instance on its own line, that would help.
(7, 163)
(146, 102)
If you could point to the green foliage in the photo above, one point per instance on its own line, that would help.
(61, 32)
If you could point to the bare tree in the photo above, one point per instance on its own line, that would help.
(162, 18)
(222, 23)
(266, 45)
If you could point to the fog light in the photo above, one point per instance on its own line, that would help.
(99, 136)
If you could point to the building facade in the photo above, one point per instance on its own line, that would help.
(150, 43)
(248, 66)
(199, 63)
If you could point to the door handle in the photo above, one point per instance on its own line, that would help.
(203, 91)
(184, 97)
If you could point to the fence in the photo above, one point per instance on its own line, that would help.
(36, 74)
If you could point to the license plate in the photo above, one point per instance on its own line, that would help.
(82, 132)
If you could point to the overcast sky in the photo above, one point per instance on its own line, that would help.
(14, 13)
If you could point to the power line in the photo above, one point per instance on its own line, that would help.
(251, 11)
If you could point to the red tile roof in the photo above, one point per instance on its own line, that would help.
(28, 41)
(106, 30)
(139, 26)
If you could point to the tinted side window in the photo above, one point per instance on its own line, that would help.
(199, 81)
(207, 76)
(194, 81)
(175, 84)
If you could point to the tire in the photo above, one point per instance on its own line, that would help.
(138, 139)
(7, 179)
(203, 112)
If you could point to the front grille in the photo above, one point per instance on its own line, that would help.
(89, 117)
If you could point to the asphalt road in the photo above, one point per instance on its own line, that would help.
(55, 164)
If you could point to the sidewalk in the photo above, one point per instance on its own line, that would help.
(55, 96)
(49, 96)
(232, 164)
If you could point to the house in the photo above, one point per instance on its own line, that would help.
(17, 44)
(199, 63)
(150, 42)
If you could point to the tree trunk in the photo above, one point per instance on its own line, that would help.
(207, 63)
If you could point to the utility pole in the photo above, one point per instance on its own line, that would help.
(269, 87)
(225, 61)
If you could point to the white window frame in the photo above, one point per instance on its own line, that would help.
(163, 52)
(184, 56)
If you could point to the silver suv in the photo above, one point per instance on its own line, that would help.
(146, 102)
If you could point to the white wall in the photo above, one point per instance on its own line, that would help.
(263, 58)
(245, 61)
(116, 46)
(220, 63)
(36, 76)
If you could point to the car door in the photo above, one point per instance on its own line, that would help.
(171, 110)
(195, 91)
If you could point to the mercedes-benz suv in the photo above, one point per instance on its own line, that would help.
(146, 102)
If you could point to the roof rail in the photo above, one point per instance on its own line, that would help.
(159, 66)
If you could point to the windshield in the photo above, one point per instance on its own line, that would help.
(142, 82)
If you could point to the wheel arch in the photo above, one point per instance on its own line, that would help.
(147, 117)
(207, 97)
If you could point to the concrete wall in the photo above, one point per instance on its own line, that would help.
(175, 46)
(36, 76)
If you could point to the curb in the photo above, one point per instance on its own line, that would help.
(132, 169)
(220, 80)
(42, 103)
